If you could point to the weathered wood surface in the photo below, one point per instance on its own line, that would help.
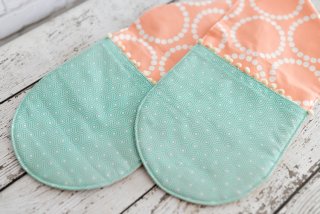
(30, 196)
(299, 162)
(307, 200)
(29, 57)
(9, 166)
(26, 59)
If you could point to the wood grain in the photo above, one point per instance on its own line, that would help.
(307, 200)
(299, 161)
(26, 59)
(30, 196)
(21, 64)
(9, 166)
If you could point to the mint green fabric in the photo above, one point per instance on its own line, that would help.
(75, 129)
(208, 133)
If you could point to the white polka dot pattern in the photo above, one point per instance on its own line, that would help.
(209, 133)
(268, 38)
(170, 31)
(74, 130)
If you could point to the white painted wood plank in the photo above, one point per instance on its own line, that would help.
(21, 63)
(9, 166)
(299, 161)
(307, 200)
(26, 195)
(29, 196)
(22, 13)
(27, 58)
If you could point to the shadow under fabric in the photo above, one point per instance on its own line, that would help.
(75, 129)
(213, 129)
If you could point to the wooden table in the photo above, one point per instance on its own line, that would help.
(293, 187)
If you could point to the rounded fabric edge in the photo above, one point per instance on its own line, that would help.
(175, 193)
(22, 162)
(154, 178)
(50, 184)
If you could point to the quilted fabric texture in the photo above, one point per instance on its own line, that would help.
(74, 129)
(208, 133)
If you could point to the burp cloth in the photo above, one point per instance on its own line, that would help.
(162, 36)
(268, 38)
(214, 128)
(75, 129)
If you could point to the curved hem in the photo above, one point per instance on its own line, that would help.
(188, 198)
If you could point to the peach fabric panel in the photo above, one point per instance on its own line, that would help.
(277, 39)
(164, 34)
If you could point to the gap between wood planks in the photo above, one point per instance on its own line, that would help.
(33, 25)
(297, 190)
(153, 187)
(31, 84)
(276, 211)
(138, 199)
(13, 181)
(20, 91)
